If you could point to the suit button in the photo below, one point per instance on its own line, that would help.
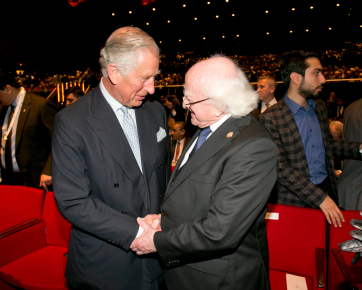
(116, 185)
(171, 182)
(160, 195)
(124, 212)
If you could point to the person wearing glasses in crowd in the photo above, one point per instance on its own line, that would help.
(212, 216)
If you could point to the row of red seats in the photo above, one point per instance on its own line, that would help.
(34, 238)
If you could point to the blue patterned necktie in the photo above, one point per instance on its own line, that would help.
(130, 130)
(202, 138)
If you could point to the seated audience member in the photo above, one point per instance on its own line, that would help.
(299, 126)
(336, 128)
(72, 94)
(26, 121)
(179, 140)
(350, 182)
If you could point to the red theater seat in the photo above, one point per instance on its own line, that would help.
(336, 280)
(43, 268)
(296, 238)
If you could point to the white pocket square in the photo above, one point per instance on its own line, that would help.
(161, 134)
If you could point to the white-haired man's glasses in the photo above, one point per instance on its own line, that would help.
(188, 103)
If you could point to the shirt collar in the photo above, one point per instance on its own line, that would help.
(294, 107)
(20, 97)
(217, 124)
(115, 105)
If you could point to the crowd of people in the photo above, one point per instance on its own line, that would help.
(337, 64)
(109, 158)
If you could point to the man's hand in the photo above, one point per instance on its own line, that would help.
(144, 243)
(332, 212)
(154, 220)
(45, 180)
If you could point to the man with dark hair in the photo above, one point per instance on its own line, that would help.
(299, 126)
(179, 140)
(72, 94)
(26, 121)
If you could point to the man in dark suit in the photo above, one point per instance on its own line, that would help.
(26, 121)
(349, 183)
(111, 164)
(213, 230)
(178, 141)
(266, 87)
(299, 126)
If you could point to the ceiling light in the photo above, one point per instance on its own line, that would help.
(195, 18)
(154, 9)
(147, 23)
(266, 11)
(337, 5)
(293, 9)
(168, 21)
(226, 0)
(204, 38)
(237, 35)
(113, 14)
(267, 33)
(311, 7)
(291, 31)
(223, 36)
(307, 30)
(330, 28)
(232, 15)
(160, 41)
(208, 2)
(179, 40)
(184, 5)
(130, 12)
(217, 16)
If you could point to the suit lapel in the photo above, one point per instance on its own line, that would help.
(105, 124)
(287, 114)
(24, 113)
(212, 145)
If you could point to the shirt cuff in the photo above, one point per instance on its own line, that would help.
(140, 231)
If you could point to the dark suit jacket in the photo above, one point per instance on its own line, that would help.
(214, 233)
(256, 112)
(33, 137)
(293, 186)
(99, 188)
(349, 183)
(173, 146)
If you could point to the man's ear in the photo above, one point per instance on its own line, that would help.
(272, 89)
(113, 73)
(296, 78)
(8, 89)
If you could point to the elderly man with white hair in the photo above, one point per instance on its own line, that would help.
(212, 216)
(111, 164)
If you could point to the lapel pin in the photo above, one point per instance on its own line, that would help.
(24, 110)
(229, 135)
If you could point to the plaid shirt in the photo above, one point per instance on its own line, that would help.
(293, 186)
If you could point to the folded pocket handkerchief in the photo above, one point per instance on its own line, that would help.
(161, 134)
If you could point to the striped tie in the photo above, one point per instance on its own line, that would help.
(202, 138)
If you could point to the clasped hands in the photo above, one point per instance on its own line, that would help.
(144, 243)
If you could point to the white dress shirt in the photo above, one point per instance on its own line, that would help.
(264, 107)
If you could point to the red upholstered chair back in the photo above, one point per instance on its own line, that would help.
(294, 237)
(57, 228)
(19, 204)
(336, 280)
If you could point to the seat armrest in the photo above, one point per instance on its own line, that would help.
(320, 267)
(18, 242)
(19, 227)
(344, 268)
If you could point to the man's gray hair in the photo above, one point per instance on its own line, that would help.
(122, 49)
(231, 92)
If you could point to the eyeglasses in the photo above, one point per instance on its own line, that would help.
(192, 103)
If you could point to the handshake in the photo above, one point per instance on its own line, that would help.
(143, 244)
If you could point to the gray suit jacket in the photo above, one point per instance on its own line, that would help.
(99, 188)
(350, 182)
(214, 233)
